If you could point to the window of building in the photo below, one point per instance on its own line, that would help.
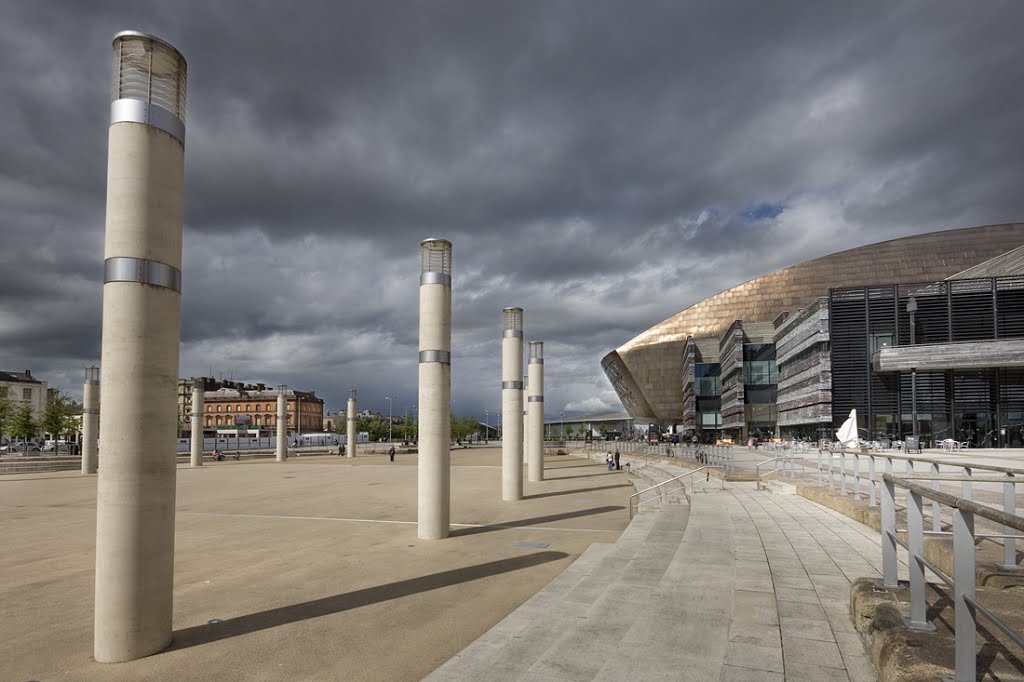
(759, 364)
(880, 341)
(209, 421)
(26, 394)
(707, 379)
(218, 408)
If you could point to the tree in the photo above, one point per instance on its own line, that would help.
(462, 427)
(23, 425)
(7, 410)
(58, 417)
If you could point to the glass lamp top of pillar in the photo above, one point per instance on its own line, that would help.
(512, 319)
(150, 70)
(352, 394)
(436, 256)
(92, 375)
(282, 388)
(536, 349)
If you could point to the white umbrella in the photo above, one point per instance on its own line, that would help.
(847, 433)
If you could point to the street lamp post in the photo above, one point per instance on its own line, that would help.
(911, 309)
(390, 400)
(487, 427)
(561, 425)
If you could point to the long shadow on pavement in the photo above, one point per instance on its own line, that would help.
(271, 618)
(578, 490)
(535, 521)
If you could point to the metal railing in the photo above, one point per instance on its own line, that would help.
(788, 467)
(964, 580)
(661, 493)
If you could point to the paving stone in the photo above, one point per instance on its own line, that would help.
(807, 629)
(754, 656)
(808, 651)
(794, 609)
(850, 644)
(734, 674)
(789, 594)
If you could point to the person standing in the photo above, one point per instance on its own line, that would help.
(391, 453)
(618, 467)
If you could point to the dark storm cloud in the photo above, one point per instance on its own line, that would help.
(601, 164)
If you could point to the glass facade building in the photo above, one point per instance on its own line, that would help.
(962, 348)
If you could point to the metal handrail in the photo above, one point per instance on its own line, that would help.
(757, 467)
(674, 478)
(964, 579)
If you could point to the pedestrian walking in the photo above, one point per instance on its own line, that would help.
(391, 453)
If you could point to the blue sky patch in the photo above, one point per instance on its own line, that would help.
(763, 212)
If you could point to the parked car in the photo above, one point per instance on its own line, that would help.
(51, 446)
(19, 446)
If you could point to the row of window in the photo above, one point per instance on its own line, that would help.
(26, 393)
(257, 420)
(255, 408)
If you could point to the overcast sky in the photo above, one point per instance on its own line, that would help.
(602, 165)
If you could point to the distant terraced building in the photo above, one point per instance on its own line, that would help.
(763, 357)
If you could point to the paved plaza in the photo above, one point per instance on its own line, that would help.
(311, 569)
(308, 570)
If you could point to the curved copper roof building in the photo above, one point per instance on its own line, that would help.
(646, 371)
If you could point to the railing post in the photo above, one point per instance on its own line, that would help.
(1010, 507)
(831, 473)
(842, 472)
(889, 534)
(915, 542)
(936, 510)
(871, 481)
(820, 482)
(757, 475)
(856, 476)
(966, 487)
(964, 589)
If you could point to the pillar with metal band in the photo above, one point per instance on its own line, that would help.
(512, 404)
(90, 419)
(435, 391)
(535, 413)
(350, 426)
(140, 339)
(198, 393)
(282, 423)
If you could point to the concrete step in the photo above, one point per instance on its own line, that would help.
(594, 601)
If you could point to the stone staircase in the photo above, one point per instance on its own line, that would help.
(654, 605)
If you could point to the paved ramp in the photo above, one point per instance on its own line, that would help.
(742, 585)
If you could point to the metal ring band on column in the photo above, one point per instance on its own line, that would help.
(435, 278)
(442, 356)
(536, 361)
(93, 382)
(517, 385)
(535, 399)
(90, 410)
(142, 271)
(147, 113)
(510, 333)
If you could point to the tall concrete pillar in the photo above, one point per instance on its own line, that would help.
(139, 363)
(282, 423)
(435, 389)
(512, 404)
(197, 423)
(90, 419)
(350, 428)
(535, 410)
